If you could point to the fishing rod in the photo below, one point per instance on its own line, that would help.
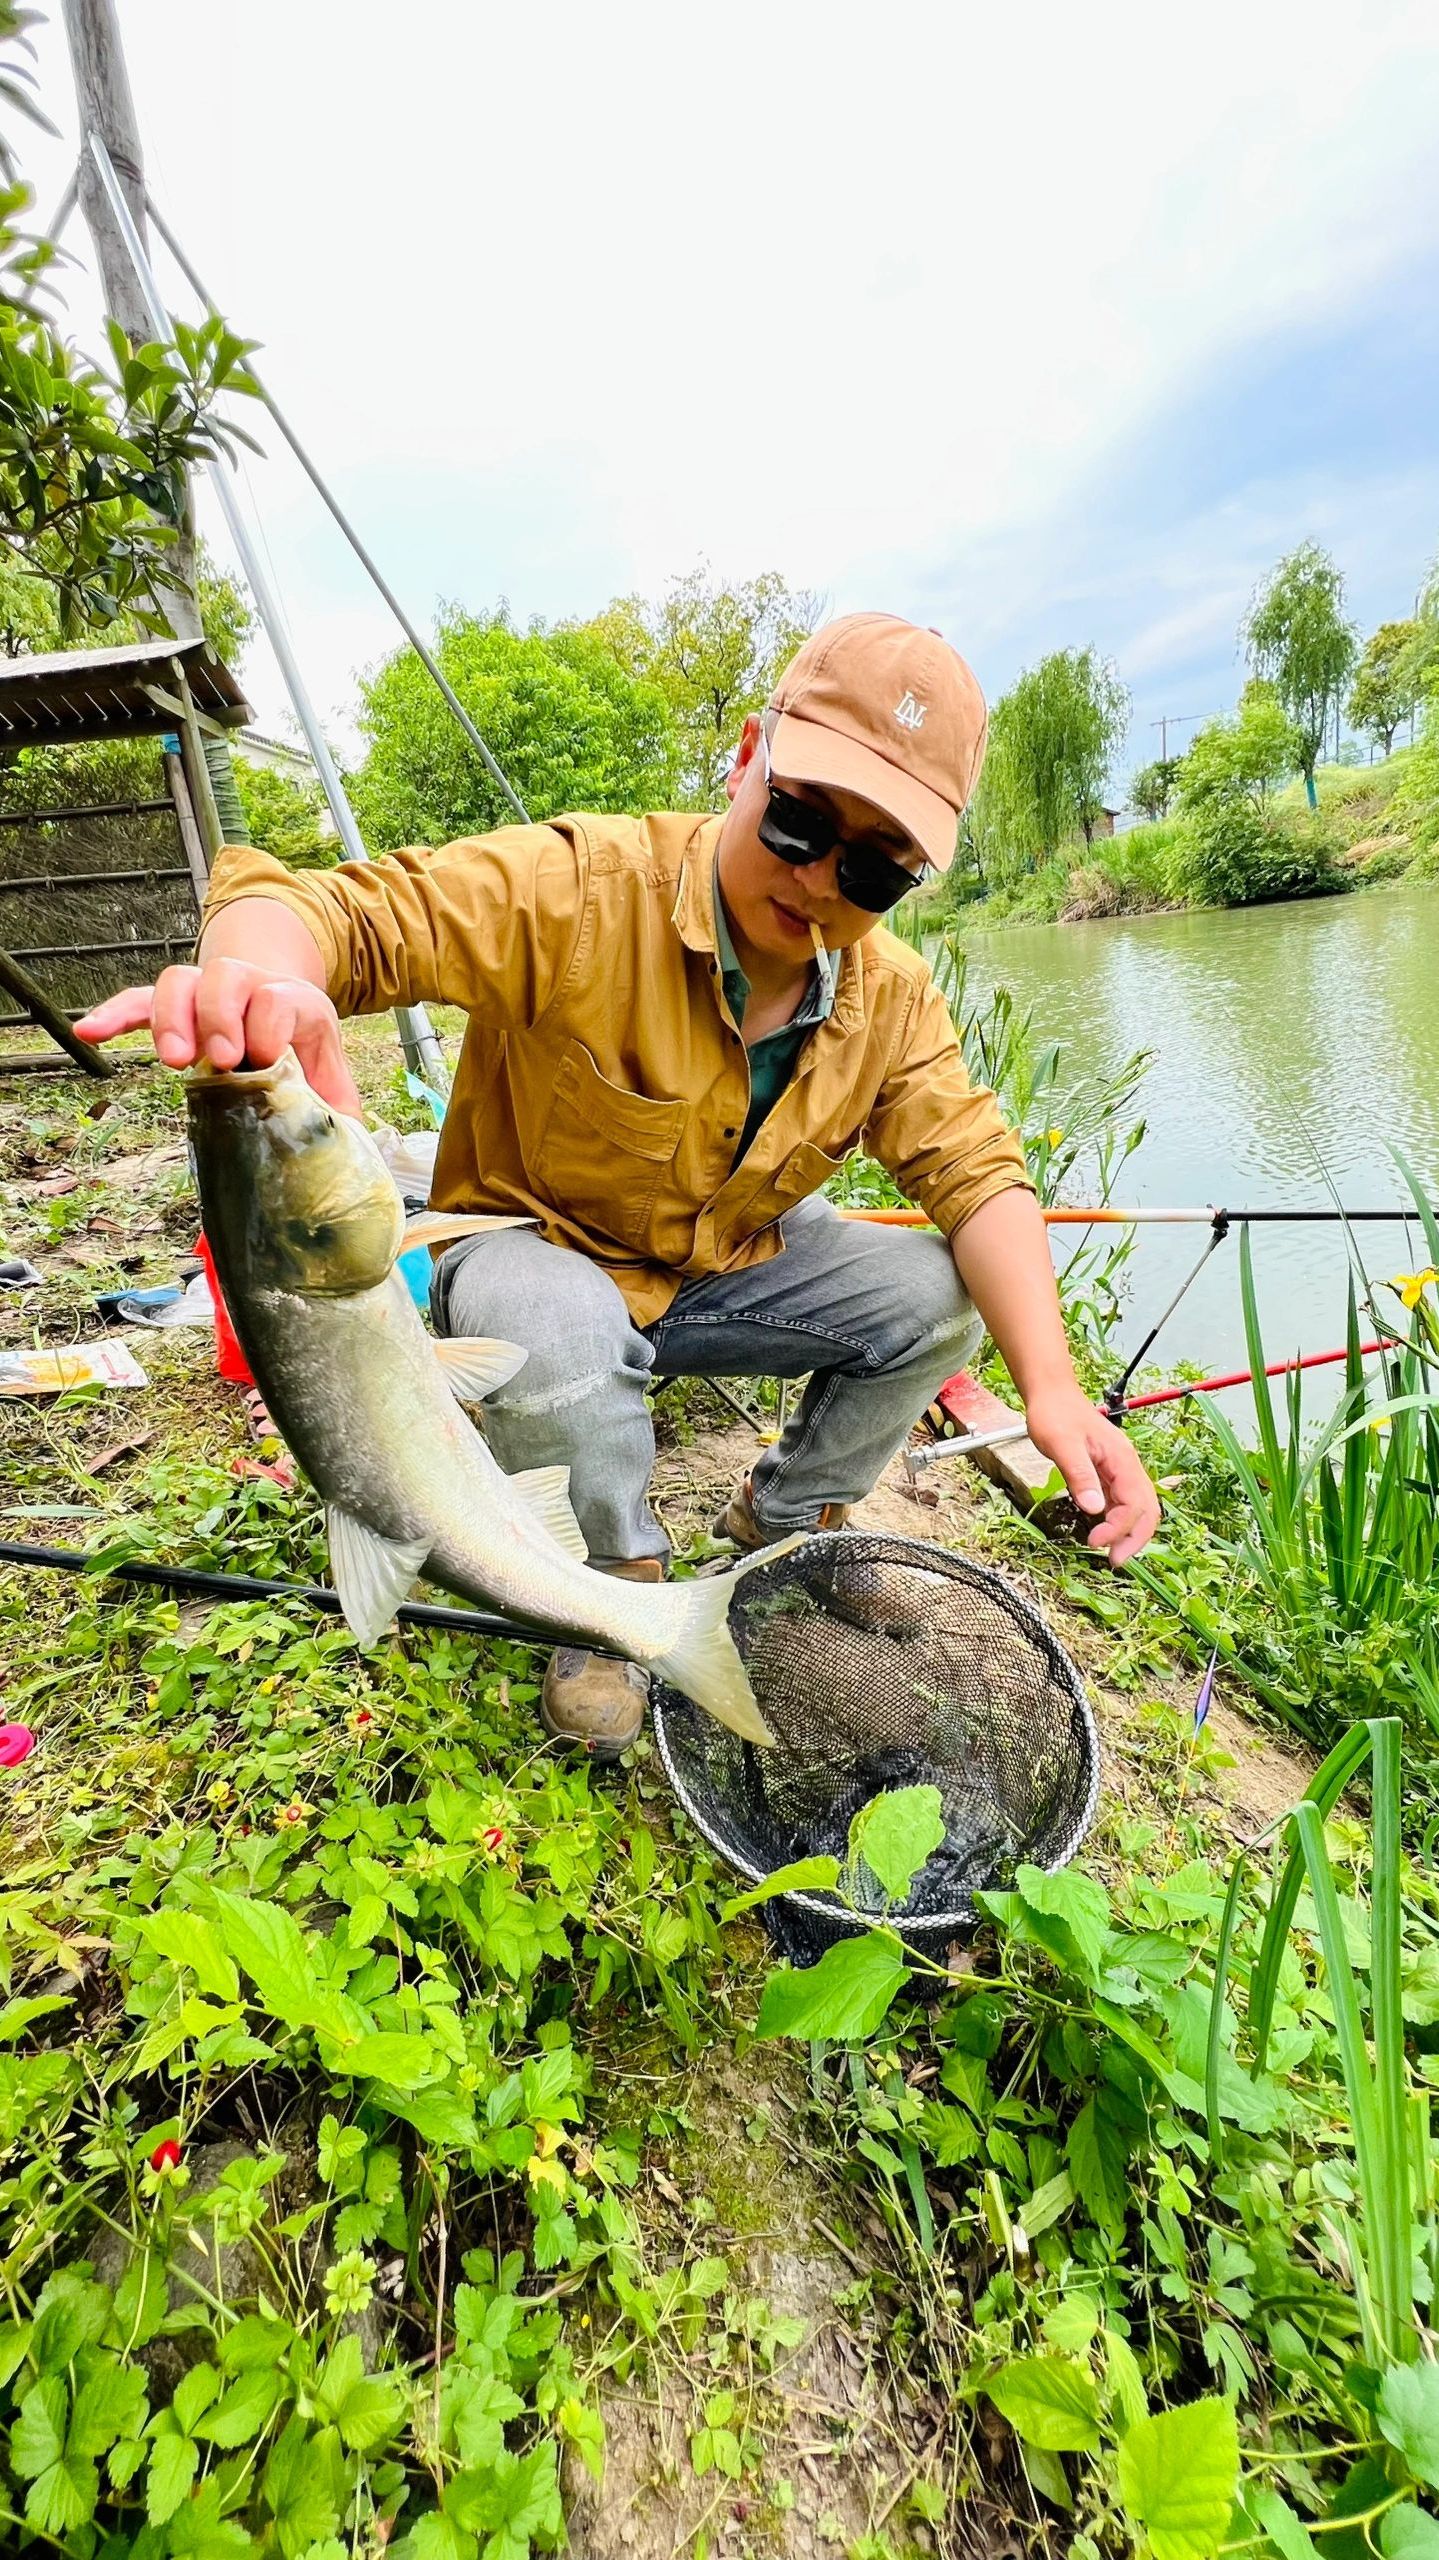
(1222, 1218)
(254, 1586)
(969, 1444)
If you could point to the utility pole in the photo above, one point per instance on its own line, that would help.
(102, 91)
(1177, 720)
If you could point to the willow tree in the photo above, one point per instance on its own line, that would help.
(1052, 741)
(1297, 635)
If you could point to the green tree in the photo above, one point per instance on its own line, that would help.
(716, 653)
(1052, 740)
(1298, 636)
(1232, 848)
(570, 725)
(1386, 682)
(1152, 787)
(1248, 755)
(284, 816)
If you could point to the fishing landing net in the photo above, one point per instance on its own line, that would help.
(881, 1663)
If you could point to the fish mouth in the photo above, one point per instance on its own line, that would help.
(279, 1084)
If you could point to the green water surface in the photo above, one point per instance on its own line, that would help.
(1290, 1043)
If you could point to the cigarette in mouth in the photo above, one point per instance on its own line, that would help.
(817, 938)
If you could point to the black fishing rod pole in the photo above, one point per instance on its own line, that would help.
(254, 1586)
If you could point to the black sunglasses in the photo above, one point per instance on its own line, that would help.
(797, 833)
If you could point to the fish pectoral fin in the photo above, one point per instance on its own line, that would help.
(439, 1226)
(546, 1492)
(372, 1574)
(474, 1367)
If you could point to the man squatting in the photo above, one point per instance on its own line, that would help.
(678, 1028)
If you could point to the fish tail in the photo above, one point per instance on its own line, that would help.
(705, 1664)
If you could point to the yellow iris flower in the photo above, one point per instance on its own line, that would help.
(1411, 1285)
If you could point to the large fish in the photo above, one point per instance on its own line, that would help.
(306, 1226)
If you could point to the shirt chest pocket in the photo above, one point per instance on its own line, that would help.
(603, 1151)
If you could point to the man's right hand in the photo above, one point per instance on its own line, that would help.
(232, 1012)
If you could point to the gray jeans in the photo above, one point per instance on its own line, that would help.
(874, 1317)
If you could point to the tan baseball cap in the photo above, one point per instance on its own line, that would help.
(877, 706)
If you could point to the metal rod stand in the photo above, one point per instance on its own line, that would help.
(368, 564)
(423, 1053)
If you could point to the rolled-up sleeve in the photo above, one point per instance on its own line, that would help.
(490, 923)
(943, 1139)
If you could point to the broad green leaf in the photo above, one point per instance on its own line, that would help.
(439, 2115)
(245, 2410)
(1050, 2401)
(267, 1943)
(400, 2061)
(194, 2392)
(1290, 2538)
(805, 1875)
(1047, 2204)
(1046, 2475)
(1408, 2414)
(1178, 2472)
(188, 1939)
(174, 2461)
(63, 2497)
(1405, 2534)
(1076, 1903)
(842, 1997)
(110, 2405)
(895, 1833)
(307, 2483)
(200, 2532)
(707, 2277)
(1096, 2156)
(476, 2409)
(37, 2438)
(17, 2016)
(365, 2407)
(585, 2430)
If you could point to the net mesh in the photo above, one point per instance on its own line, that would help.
(880, 1663)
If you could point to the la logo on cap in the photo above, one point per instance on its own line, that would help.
(909, 713)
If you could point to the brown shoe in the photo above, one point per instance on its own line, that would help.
(591, 1699)
(738, 1524)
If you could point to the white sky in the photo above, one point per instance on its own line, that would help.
(565, 298)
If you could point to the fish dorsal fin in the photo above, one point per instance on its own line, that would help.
(372, 1574)
(546, 1492)
(440, 1226)
(474, 1367)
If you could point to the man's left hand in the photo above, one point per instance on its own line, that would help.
(1101, 1469)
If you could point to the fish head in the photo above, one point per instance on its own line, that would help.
(301, 1190)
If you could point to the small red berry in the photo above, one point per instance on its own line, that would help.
(167, 2154)
(493, 1838)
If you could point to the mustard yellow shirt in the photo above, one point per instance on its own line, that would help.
(603, 1084)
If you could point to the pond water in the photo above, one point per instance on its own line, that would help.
(1289, 1042)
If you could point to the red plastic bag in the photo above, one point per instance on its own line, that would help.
(229, 1358)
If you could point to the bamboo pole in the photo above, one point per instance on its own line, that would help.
(18, 982)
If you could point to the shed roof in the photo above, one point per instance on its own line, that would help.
(129, 692)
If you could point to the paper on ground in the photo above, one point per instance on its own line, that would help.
(54, 1373)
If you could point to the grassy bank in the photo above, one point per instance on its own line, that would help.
(1375, 823)
(396, 2156)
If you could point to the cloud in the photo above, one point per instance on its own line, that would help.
(988, 317)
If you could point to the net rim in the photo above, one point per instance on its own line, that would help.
(827, 1906)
